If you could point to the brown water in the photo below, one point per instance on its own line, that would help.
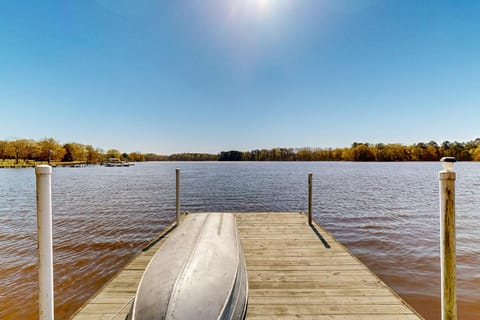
(385, 213)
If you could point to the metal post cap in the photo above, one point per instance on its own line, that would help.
(448, 159)
(43, 169)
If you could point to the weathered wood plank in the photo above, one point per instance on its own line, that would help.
(304, 309)
(285, 243)
(335, 317)
(325, 300)
(102, 308)
(295, 271)
(301, 272)
(306, 269)
(324, 292)
(342, 280)
(354, 284)
(298, 262)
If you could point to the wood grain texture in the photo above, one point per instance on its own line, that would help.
(295, 271)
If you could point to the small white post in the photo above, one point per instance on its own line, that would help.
(309, 199)
(45, 248)
(447, 239)
(177, 198)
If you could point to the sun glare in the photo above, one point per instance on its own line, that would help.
(246, 29)
(263, 6)
(257, 8)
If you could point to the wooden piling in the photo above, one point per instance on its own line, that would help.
(310, 199)
(447, 245)
(177, 195)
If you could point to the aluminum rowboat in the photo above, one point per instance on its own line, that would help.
(199, 273)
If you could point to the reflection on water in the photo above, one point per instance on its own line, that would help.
(386, 213)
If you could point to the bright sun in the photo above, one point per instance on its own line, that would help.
(263, 6)
(259, 8)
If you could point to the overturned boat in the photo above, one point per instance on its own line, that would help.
(199, 273)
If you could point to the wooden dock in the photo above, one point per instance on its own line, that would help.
(295, 271)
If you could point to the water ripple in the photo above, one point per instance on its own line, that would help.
(386, 213)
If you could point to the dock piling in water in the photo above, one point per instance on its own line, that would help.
(310, 199)
(177, 195)
(45, 248)
(447, 239)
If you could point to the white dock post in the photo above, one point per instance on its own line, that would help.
(177, 198)
(310, 199)
(447, 239)
(45, 247)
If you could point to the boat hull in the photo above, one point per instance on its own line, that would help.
(199, 273)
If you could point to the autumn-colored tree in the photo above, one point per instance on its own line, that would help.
(304, 154)
(18, 148)
(362, 152)
(475, 153)
(50, 150)
(348, 154)
(94, 155)
(113, 153)
(32, 149)
(136, 157)
(3, 149)
(75, 152)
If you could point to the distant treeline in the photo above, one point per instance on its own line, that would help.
(182, 157)
(49, 149)
(431, 151)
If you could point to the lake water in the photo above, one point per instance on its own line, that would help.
(385, 213)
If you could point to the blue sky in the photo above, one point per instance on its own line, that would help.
(206, 76)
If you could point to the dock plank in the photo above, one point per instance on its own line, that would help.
(295, 271)
(298, 271)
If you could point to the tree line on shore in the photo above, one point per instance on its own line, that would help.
(49, 149)
(431, 151)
